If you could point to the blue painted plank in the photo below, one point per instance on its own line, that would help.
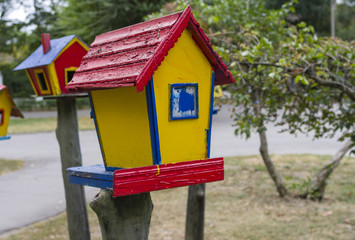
(210, 123)
(93, 116)
(153, 123)
(93, 172)
(90, 182)
(5, 138)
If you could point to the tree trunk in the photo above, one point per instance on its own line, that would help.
(68, 139)
(195, 213)
(123, 218)
(281, 189)
(264, 151)
(317, 188)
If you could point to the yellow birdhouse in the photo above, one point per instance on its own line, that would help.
(7, 109)
(151, 88)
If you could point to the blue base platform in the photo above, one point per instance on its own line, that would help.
(93, 176)
(5, 138)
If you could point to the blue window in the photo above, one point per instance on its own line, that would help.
(184, 101)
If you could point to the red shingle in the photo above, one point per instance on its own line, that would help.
(129, 56)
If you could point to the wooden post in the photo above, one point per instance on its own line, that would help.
(195, 214)
(70, 154)
(125, 217)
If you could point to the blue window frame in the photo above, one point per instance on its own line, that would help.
(184, 101)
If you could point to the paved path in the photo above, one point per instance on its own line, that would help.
(36, 192)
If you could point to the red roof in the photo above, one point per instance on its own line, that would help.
(14, 111)
(129, 56)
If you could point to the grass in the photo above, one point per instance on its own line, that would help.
(245, 205)
(28, 125)
(7, 166)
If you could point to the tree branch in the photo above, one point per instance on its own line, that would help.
(349, 91)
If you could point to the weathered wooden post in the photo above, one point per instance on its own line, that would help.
(151, 92)
(126, 217)
(49, 69)
(67, 133)
(195, 213)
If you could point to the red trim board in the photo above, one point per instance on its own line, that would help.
(158, 177)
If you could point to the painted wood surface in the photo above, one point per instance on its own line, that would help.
(93, 176)
(152, 178)
(7, 109)
(184, 139)
(35, 81)
(70, 56)
(122, 121)
(52, 58)
(129, 56)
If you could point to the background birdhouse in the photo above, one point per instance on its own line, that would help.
(7, 109)
(53, 64)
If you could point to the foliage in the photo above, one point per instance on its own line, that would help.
(90, 18)
(345, 21)
(296, 77)
(285, 74)
(317, 14)
(313, 12)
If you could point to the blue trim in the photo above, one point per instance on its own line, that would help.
(186, 103)
(215, 111)
(94, 176)
(209, 130)
(93, 115)
(153, 123)
(5, 138)
(112, 169)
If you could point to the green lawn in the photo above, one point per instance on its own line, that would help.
(28, 125)
(7, 166)
(246, 206)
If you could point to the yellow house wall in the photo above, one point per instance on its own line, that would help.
(186, 139)
(123, 127)
(5, 104)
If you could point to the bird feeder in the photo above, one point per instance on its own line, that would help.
(151, 89)
(7, 109)
(51, 67)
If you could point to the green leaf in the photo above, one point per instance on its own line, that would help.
(245, 53)
(297, 79)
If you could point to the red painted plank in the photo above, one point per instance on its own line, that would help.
(119, 59)
(136, 30)
(110, 74)
(158, 177)
(128, 44)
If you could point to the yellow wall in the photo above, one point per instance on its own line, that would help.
(183, 140)
(123, 126)
(6, 105)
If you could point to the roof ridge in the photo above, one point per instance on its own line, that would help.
(171, 38)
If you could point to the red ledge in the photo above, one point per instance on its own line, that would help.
(158, 177)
